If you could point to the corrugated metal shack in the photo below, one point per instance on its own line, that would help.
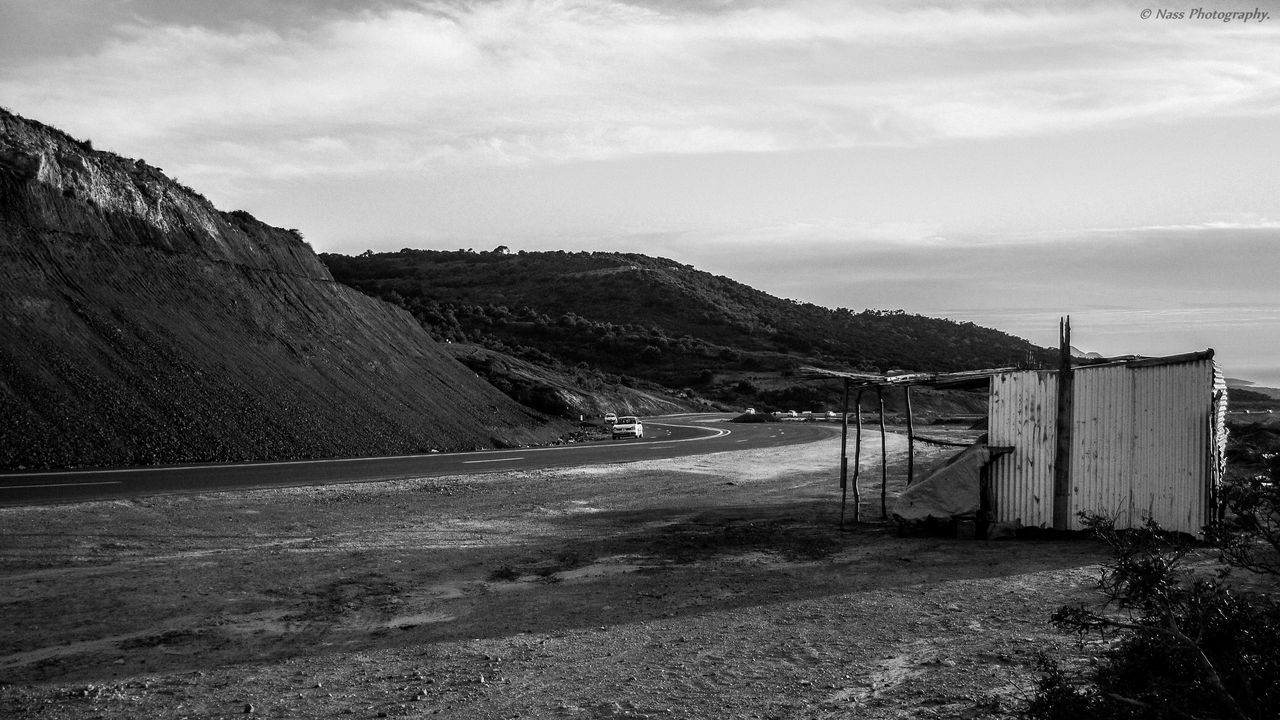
(1147, 438)
(1144, 437)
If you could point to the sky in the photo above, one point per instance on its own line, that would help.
(1003, 163)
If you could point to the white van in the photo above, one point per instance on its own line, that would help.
(628, 426)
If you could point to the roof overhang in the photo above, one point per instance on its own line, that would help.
(978, 379)
(964, 380)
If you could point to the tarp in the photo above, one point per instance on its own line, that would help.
(950, 489)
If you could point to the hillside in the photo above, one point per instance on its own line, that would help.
(1244, 390)
(661, 321)
(139, 324)
(570, 392)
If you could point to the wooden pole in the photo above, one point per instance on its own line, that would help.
(884, 459)
(857, 463)
(1062, 426)
(911, 440)
(844, 454)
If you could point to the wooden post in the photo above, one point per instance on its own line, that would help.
(857, 463)
(884, 459)
(911, 441)
(1062, 427)
(844, 455)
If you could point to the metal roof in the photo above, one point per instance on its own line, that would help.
(974, 378)
(1138, 361)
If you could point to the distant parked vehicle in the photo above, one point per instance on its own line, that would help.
(610, 418)
(628, 426)
(750, 411)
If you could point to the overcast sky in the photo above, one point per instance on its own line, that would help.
(997, 162)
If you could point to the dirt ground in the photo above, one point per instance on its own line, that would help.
(718, 586)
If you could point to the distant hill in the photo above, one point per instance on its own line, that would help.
(139, 324)
(1247, 388)
(1240, 400)
(655, 319)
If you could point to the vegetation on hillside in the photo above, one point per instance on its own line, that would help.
(1243, 399)
(661, 321)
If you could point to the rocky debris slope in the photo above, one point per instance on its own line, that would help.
(139, 324)
(565, 395)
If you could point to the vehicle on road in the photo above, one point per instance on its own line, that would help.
(610, 418)
(628, 426)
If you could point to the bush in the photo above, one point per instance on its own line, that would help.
(1187, 642)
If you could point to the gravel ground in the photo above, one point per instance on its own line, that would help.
(718, 586)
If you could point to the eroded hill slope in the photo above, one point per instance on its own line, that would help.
(637, 320)
(657, 319)
(139, 324)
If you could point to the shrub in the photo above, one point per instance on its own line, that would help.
(1187, 641)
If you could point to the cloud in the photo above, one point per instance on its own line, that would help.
(1178, 270)
(510, 82)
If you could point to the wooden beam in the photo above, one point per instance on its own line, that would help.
(911, 440)
(1062, 426)
(884, 459)
(844, 453)
(943, 443)
(857, 462)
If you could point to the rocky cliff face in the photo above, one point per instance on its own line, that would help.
(139, 324)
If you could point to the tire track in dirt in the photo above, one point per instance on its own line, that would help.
(712, 587)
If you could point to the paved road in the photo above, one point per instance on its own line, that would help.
(665, 437)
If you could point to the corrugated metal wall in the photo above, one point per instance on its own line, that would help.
(1146, 443)
(1170, 429)
(1218, 460)
(1102, 444)
(1022, 409)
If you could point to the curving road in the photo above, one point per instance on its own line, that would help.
(665, 437)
